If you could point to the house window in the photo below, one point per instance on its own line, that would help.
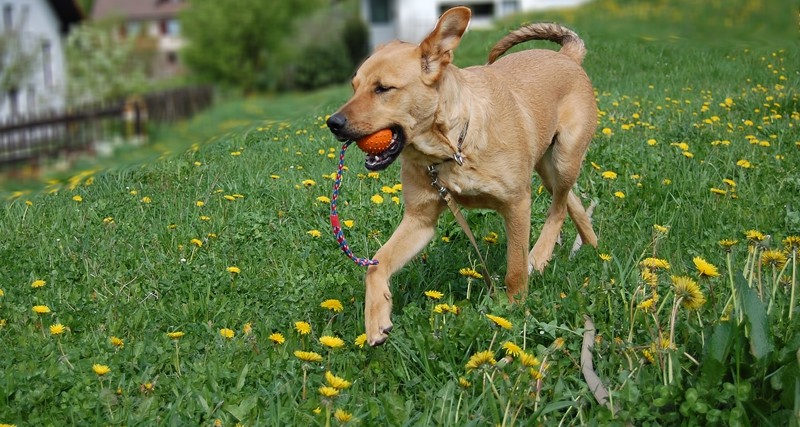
(8, 21)
(132, 29)
(172, 57)
(31, 99)
(13, 102)
(479, 10)
(47, 63)
(380, 11)
(508, 7)
(174, 27)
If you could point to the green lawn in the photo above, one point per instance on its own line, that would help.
(226, 246)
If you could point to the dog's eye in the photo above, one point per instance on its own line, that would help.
(379, 89)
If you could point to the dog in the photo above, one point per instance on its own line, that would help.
(484, 129)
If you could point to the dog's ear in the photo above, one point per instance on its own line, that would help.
(437, 49)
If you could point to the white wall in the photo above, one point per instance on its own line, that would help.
(40, 25)
(414, 19)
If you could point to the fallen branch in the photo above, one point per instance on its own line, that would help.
(587, 367)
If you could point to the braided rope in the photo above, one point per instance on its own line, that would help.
(337, 228)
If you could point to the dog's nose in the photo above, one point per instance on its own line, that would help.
(336, 123)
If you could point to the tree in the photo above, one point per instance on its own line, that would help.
(101, 65)
(239, 42)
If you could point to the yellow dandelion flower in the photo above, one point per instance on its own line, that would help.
(342, 416)
(655, 264)
(360, 340)
(38, 283)
(309, 183)
(277, 338)
(77, 198)
(718, 191)
(468, 272)
(651, 142)
(377, 199)
(464, 383)
(229, 197)
(609, 175)
(302, 328)
(273, 176)
(512, 349)
(688, 292)
(331, 342)
(41, 309)
(199, 203)
(323, 199)
(348, 223)
(332, 304)
(175, 335)
(234, 269)
(57, 329)
(314, 233)
(660, 229)
(773, 258)
(607, 131)
(197, 242)
(705, 268)
(754, 236)
(536, 374)
(727, 243)
(479, 359)
(373, 175)
(648, 355)
(619, 194)
(792, 243)
(108, 220)
(327, 391)
(2, 292)
(744, 163)
(146, 200)
(247, 329)
(729, 182)
(116, 342)
(605, 257)
(227, 333)
(100, 369)
(336, 382)
(528, 360)
(434, 294)
(308, 356)
(491, 238)
(647, 305)
(681, 146)
(499, 321)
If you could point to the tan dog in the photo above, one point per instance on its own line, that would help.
(531, 110)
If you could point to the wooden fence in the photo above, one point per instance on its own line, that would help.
(29, 139)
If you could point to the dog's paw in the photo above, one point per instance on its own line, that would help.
(536, 263)
(378, 320)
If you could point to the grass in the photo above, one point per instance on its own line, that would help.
(217, 242)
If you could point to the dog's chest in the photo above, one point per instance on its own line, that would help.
(471, 189)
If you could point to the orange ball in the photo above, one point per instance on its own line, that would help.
(375, 143)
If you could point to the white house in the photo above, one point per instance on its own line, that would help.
(34, 29)
(412, 20)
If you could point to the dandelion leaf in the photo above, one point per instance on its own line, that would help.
(756, 316)
(245, 407)
(717, 352)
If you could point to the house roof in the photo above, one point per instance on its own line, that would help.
(68, 13)
(136, 10)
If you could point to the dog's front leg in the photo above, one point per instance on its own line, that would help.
(414, 232)
(517, 218)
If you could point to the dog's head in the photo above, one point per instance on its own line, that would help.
(397, 88)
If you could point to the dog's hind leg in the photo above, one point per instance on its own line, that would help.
(559, 168)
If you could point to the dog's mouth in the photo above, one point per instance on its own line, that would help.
(382, 160)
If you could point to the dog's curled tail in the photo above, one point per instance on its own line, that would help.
(571, 44)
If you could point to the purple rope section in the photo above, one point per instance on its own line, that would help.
(337, 228)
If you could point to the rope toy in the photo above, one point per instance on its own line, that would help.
(337, 228)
